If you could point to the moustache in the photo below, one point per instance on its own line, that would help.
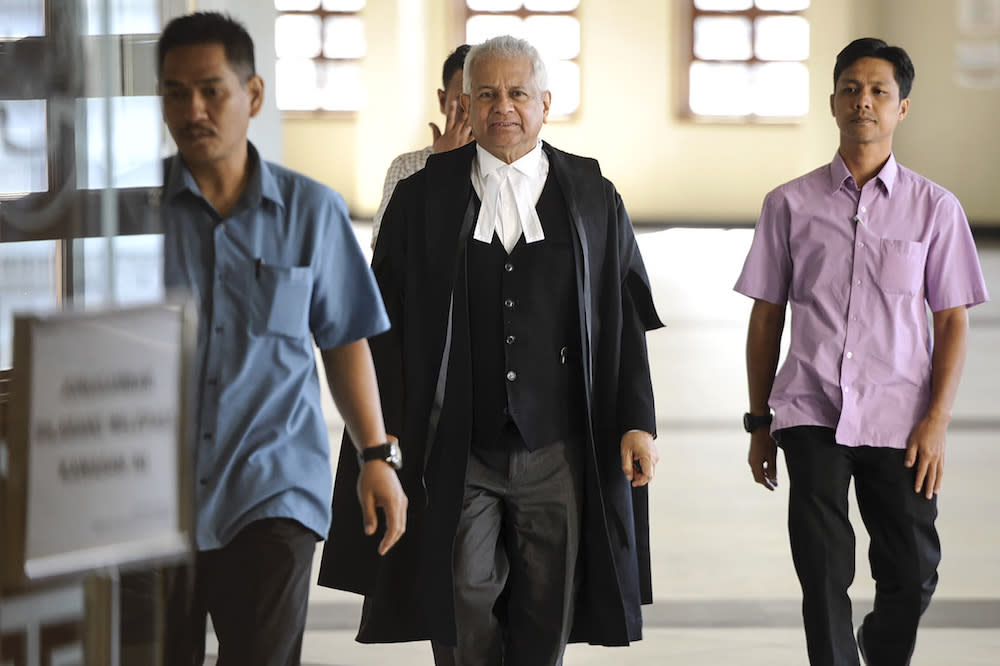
(194, 130)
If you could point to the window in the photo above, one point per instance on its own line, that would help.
(320, 45)
(550, 25)
(134, 163)
(23, 147)
(22, 18)
(746, 60)
(138, 274)
(64, 180)
(29, 281)
(122, 17)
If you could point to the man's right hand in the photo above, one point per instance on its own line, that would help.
(763, 458)
(379, 487)
(457, 131)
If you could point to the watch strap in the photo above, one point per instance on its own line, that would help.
(751, 422)
(387, 452)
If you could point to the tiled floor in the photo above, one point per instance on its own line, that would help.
(723, 580)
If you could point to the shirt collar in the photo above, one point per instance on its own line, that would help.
(178, 179)
(526, 164)
(888, 174)
(839, 173)
(263, 178)
(262, 183)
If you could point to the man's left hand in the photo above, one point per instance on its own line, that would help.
(379, 488)
(457, 130)
(925, 450)
(639, 457)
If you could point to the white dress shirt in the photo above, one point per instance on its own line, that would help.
(509, 193)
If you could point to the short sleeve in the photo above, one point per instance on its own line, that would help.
(953, 275)
(346, 304)
(767, 269)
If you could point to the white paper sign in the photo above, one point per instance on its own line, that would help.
(102, 482)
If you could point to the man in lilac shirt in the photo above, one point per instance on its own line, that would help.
(858, 249)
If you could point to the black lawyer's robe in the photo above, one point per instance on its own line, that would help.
(420, 266)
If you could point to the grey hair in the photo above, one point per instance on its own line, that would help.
(505, 46)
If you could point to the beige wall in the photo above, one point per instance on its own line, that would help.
(951, 134)
(667, 168)
(408, 41)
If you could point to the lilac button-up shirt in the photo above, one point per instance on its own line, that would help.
(859, 268)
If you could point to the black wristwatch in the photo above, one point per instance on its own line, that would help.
(752, 421)
(388, 452)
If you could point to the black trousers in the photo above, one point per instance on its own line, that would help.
(904, 553)
(515, 555)
(256, 589)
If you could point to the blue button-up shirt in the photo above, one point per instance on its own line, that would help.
(282, 269)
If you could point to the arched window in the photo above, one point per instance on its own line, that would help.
(320, 45)
(747, 60)
(552, 26)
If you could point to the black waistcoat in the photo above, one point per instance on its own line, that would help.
(525, 333)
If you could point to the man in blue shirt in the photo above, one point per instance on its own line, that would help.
(272, 262)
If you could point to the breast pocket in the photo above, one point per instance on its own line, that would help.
(901, 269)
(280, 300)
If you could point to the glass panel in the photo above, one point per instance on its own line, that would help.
(296, 84)
(564, 80)
(23, 152)
(726, 38)
(493, 6)
(781, 89)
(138, 269)
(723, 5)
(344, 37)
(720, 89)
(297, 36)
(551, 5)
(555, 37)
(782, 38)
(296, 5)
(783, 5)
(29, 280)
(127, 17)
(22, 18)
(343, 5)
(341, 87)
(136, 142)
(480, 28)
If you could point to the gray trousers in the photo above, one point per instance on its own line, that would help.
(516, 556)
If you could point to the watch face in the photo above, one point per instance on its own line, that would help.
(395, 456)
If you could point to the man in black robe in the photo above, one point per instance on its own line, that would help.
(516, 378)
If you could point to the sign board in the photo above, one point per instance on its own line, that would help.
(99, 465)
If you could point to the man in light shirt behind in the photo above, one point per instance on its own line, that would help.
(858, 249)
(456, 133)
